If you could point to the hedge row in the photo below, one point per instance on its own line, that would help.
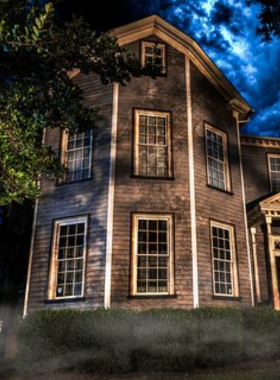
(155, 340)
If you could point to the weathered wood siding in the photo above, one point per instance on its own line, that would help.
(256, 173)
(75, 199)
(209, 106)
(153, 195)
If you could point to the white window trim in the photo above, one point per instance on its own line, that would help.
(167, 115)
(54, 252)
(269, 156)
(154, 44)
(170, 239)
(235, 282)
(217, 131)
(64, 155)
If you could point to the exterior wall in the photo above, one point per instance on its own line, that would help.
(256, 173)
(153, 195)
(214, 204)
(76, 199)
(263, 265)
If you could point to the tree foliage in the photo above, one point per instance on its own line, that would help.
(36, 55)
(269, 17)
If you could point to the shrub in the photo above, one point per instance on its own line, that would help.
(155, 340)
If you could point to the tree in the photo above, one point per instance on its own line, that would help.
(36, 54)
(269, 19)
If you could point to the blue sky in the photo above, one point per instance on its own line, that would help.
(226, 30)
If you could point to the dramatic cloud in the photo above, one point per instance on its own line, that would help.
(225, 29)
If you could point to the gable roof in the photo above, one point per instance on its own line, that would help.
(155, 25)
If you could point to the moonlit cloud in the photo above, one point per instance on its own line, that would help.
(225, 29)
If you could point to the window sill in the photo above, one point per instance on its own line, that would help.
(227, 298)
(152, 296)
(171, 178)
(58, 184)
(222, 190)
(65, 300)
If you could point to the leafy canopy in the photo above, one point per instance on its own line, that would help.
(36, 53)
(269, 17)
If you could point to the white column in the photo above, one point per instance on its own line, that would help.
(274, 279)
(192, 186)
(256, 264)
(111, 196)
(236, 115)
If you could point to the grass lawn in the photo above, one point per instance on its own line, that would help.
(262, 371)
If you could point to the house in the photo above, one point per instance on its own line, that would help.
(166, 205)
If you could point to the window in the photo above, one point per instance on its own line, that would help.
(224, 260)
(152, 144)
(217, 160)
(68, 259)
(153, 56)
(274, 172)
(152, 256)
(77, 155)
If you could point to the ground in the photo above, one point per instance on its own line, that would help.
(242, 371)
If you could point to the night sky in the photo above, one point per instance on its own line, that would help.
(226, 30)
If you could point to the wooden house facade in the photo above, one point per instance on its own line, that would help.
(152, 211)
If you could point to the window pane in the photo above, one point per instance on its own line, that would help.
(78, 156)
(216, 161)
(152, 148)
(222, 260)
(70, 257)
(152, 267)
(275, 173)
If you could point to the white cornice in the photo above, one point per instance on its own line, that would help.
(259, 141)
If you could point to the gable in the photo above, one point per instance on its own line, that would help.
(272, 202)
(154, 25)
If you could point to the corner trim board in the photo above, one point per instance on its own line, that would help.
(111, 196)
(192, 186)
(236, 116)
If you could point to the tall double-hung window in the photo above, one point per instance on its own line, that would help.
(152, 144)
(217, 158)
(77, 155)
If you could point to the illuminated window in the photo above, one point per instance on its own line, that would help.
(77, 155)
(68, 258)
(217, 159)
(152, 144)
(224, 260)
(152, 256)
(153, 56)
(274, 172)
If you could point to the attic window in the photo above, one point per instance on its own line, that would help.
(153, 56)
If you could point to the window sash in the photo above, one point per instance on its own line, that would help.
(274, 172)
(217, 159)
(77, 157)
(67, 271)
(148, 55)
(225, 281)
(152, 144)
(152, 258)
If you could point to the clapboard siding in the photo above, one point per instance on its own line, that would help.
(256, 173)
(152, 195)
(87, 197)
(212, 204)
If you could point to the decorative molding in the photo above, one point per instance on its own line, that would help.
(264, 142)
